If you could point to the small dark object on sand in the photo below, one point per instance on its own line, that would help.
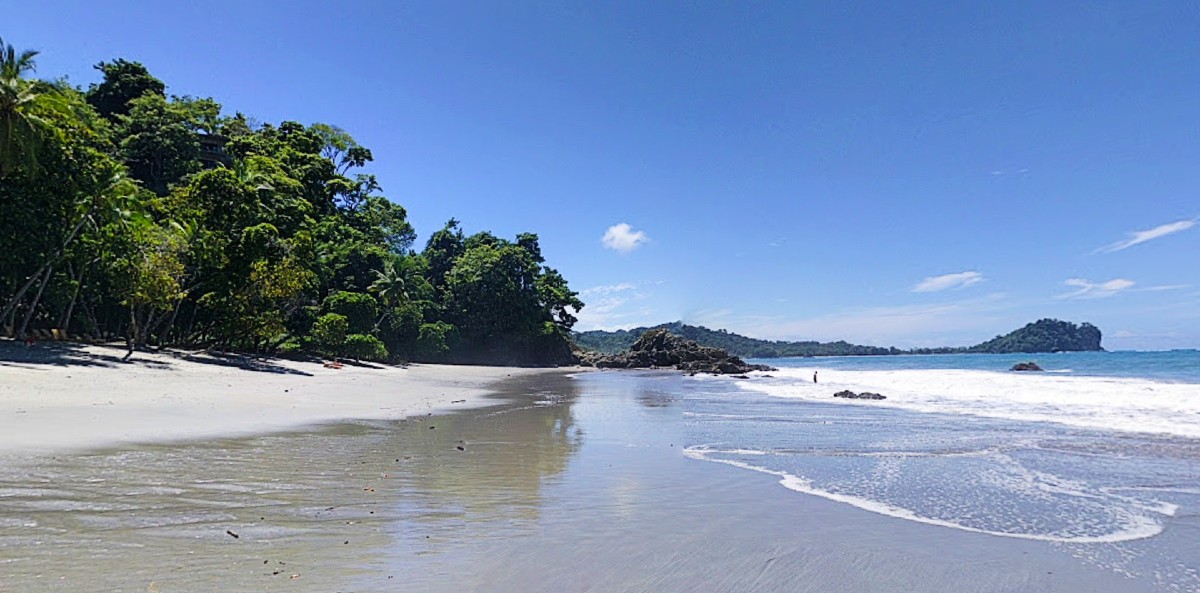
(461, 448)
(432, 427)
(235, 536)
(1026, 366)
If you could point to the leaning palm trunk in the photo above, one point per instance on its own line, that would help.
(53, 259)
(64, 322)
(33, 306)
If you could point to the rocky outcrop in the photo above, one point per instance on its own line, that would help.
(662, 349)
(847, 394)
(1026, 366)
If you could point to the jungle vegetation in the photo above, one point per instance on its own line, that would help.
(128, 213)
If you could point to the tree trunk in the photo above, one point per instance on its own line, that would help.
(48, 263)
(131, 333)
(64, 322)
(11, 305)
(165, 336)
(33, 306)
(90, 315)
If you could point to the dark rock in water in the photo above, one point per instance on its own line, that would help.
(741, 376)
(1026, 366)
(662, 349)
(847, 394)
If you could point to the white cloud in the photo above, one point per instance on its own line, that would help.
(1137, 237)
(621, 237)
(607, 289)
(948, 281)
(1095, 290)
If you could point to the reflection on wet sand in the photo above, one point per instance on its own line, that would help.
(309, 511)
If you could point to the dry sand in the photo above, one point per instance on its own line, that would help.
(57, 397)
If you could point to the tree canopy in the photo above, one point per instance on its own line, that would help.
(133, 214)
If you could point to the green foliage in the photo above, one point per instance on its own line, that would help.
(329, 333)
(433, 341)
(442, 250)
(123, 82)
(1045, 335)
(159, 142)
(31, 112)
(364, 347)
(129, 212)
(359, 309)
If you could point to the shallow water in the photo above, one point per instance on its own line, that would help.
(598, 483)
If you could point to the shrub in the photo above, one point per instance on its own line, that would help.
(329, 333)
(364, 347)
(433, 342)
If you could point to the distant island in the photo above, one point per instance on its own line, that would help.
(1044, 335)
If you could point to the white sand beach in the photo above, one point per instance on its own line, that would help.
(57, 397)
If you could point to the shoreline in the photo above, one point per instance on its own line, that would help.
(69, 397)
(560, 476)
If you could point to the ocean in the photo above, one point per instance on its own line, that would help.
(1099, 454)
(968, 477)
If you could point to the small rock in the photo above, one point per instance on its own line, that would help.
(1026, 366)
(847, 394)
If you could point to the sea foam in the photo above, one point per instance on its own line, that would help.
(1123, 404)
(1114, 518)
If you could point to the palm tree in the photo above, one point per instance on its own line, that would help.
(113, 192)
(399, 281)
(24, 106)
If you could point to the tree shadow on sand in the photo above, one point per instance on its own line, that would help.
(239, 361)
(64, 354)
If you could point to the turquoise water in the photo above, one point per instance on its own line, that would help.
(1173, 365)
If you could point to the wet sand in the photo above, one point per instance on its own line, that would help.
(567, 484)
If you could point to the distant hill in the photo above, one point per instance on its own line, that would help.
(735, 344)
(1045, 335)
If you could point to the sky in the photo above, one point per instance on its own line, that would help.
(888, 173)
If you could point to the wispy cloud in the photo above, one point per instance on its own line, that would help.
(710, 318)
(1095, 290)
(607, 289)
(615, 306)
(1164, 287)
(943, 324)
(1138, 237)
(948, 281)
(621, 237)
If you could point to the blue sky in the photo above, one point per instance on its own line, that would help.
(909, 173)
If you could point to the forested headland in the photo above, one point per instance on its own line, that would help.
(128, 213)
(1044, 335)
